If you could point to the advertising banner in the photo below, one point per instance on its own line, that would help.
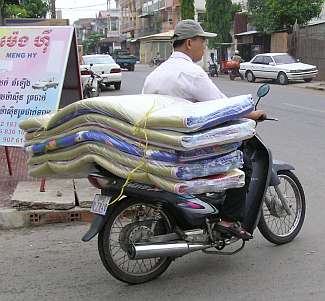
(33, 63)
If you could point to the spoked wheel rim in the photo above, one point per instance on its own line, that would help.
(279, 222)
(134, 225)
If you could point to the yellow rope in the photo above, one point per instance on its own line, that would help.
(142, 162)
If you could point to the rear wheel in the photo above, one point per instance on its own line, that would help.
(117, 86)
(275, 224)
(86, 92)
(132, 222)
(250, 76)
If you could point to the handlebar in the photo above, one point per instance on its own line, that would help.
(262, 118)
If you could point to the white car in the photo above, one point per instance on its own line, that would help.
(45, 84)
(104, 66)
(279, 66)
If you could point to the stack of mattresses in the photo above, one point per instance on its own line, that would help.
(167, 142)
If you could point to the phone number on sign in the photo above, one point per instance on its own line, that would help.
(11, 132)
(12, 140)
(10, 124)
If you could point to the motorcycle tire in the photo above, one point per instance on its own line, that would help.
(106, 244)
(86, 94)
(117, 86)
(270, 210)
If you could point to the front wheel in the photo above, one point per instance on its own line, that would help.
(131, 222)
(308, 80)
(275, 224)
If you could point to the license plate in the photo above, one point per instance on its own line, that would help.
(100, 204)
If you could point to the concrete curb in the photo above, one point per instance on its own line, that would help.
(318, 88)
(13, 219)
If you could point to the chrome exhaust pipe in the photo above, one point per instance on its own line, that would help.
(176, 249)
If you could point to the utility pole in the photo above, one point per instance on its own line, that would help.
(108, 17)
(52, 9)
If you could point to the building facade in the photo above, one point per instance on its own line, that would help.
(107, 24)
(146, 17)
(142, 18)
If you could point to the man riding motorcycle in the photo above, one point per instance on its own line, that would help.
(237, 57)
(179, 76)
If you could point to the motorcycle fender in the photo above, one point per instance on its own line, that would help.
(95, 227)
(278, 165)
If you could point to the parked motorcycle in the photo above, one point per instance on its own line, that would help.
(91, 85)
(155, 62)
(213, 70)
(140, 235)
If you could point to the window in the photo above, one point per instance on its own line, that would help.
(284, 59)
(258, 60)
(98, 59)
(267, 60)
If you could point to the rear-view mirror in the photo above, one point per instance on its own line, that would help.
(263, 90)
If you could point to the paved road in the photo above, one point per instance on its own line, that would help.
(50, 263)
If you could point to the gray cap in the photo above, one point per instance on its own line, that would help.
(187, 29)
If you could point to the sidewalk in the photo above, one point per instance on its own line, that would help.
(64, 200)
(8, 183)
(314, 85)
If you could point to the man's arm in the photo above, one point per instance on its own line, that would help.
(257, 115)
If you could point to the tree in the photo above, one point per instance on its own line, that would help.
(23, 9)
(187, 9)
(219, 18)
(15, 11)
(91, 42)
(3, 8)
(271, 15)
(36, 8)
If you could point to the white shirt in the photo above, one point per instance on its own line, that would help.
(179, 76)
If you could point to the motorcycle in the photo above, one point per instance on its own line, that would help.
(91, 84)
(213, 70)
(232, 69)
(234, 72)
(140, 235)
(155, 62)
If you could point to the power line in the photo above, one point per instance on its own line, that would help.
(86, 6)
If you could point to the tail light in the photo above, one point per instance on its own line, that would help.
(115, 70)
(98, 181)
(86, 72)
